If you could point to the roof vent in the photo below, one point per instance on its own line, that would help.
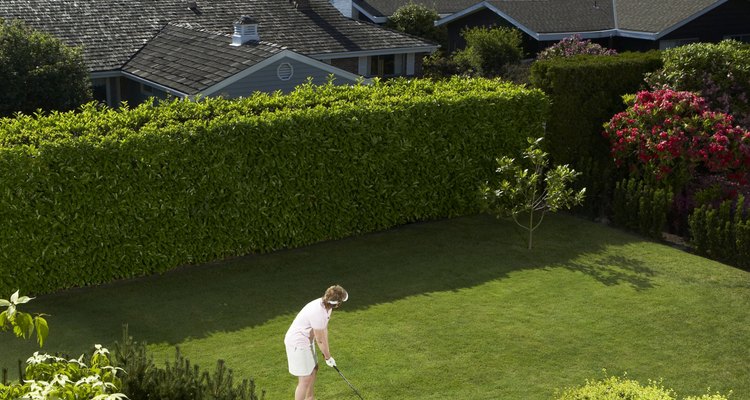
(245, 30)
(301, 4)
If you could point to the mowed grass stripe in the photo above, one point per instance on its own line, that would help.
(442, 310)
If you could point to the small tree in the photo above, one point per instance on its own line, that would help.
(23, 324)
(489, 51)
(519, 190)
(39, 72)
(418, 20)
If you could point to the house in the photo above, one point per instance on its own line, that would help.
(378, 11)
(624, 25)
(135, 49)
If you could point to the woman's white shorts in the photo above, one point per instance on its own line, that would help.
(302, 360)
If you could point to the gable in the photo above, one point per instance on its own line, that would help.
(282, 72)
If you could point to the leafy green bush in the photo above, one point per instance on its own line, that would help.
(489, 51)
(104, 194)
(23, 324)
(178, 380)
(38, 71)
(720, 72)
(722, 233)
(641, 207)
(623, 388)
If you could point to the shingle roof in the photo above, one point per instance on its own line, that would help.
(656, 16)
(543, 16)
(190, 61)
(112, 31)
(579, 16)
(386, 8)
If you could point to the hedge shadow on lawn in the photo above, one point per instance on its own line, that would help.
(195, 301)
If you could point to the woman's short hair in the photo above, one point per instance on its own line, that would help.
(335, 295)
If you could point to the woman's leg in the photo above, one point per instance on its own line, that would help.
(306, 386)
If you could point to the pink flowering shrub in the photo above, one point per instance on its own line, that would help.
(720, 72)
(573, 46)
(671, 135)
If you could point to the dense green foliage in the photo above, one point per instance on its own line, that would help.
(623, 388)
(723, 232)
(489, 51)
(587, 91)
(418, 20)
(719, 72)
(641, 207)
(39, 72)
(103, 194)
(178, 380)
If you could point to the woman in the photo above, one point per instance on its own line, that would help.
(310, 326)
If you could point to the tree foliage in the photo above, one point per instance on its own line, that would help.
(39, 72)
(418, 20)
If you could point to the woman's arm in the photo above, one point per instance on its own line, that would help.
(321, 337)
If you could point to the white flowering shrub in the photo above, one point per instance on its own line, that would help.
(50, 377)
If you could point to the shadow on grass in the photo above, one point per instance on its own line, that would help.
(195, 301)
(616, 270)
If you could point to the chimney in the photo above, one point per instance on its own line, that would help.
(245, 30)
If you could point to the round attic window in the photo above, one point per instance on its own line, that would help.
(285, 71)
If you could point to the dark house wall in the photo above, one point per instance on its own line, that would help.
(731, 18)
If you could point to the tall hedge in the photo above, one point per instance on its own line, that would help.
(586, 91)
(102, 194)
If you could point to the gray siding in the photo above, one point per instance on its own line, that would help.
(267, 80)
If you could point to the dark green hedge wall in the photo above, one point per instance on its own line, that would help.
(586, 91)
(101, 194)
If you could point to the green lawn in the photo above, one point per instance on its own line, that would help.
(454, 309)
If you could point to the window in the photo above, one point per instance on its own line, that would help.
(99, 90)
(285, 71)
(147, 90)
(383, 65)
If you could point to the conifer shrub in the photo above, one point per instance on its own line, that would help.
(642, 207)
(723, 232)
(177, 380)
